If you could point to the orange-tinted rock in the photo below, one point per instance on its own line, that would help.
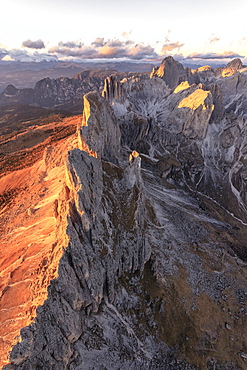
(33, 219)
(232, 67)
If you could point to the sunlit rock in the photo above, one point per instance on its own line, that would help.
(231, 68)
(182, 86)
(153, 274)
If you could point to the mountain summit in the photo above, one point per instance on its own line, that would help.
(172, 72)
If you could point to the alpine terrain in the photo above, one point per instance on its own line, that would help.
(124, 229)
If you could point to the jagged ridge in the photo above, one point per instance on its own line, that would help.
(156, 251)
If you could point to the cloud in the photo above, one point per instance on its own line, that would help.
(167, 39)
(213, 39)
(24, 56)
(127, 34)
(98, 42)
(70, 44)
(117, 49)
(178, 57)
(108, 51)
(39, 44)
(243, 41)
(129, 42)
(137, 52)
(82, 51)
(101, 49)
(171, 46)
(141, 51)
(39, 57)
(19, 55)
(225, 55)
(116, 43)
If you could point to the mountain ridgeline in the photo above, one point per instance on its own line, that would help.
(61, 93)
(152, 273)
(66, 93)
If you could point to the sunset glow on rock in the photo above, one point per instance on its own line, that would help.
(183, 86)
(194, 100)
(33, 236)
(123, 228)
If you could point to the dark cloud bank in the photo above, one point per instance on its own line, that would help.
(39, 44)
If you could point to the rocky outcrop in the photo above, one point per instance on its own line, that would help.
(112, 89)
(172, 72)
(149, 112)
(66, 93)
(154, 272)
(195, 111)
(102, 136)
(111, 209)
(232, 67)
(59, 92)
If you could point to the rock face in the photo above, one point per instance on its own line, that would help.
(232, 67)
(171, 72)
(154, 272)
(33, 221)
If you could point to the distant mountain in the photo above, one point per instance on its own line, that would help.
(61, 93)
(66, 93)
(26, 74)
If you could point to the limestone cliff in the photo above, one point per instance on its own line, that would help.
(153, 275)
(172, 72)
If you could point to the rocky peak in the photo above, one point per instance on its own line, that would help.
(171, 71)
(219, 108)
(10, 91)
(113, 89)
(99, 127)
(232, 67)
(235, 64)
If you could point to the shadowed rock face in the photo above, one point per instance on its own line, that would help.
(154, 272)
(172, 72)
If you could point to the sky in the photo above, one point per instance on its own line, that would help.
(137, 30)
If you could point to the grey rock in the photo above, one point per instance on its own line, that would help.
(172, 72)
(154, 275)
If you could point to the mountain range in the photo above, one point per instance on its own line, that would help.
(67, 93)
(26, 74)
(124, 228)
